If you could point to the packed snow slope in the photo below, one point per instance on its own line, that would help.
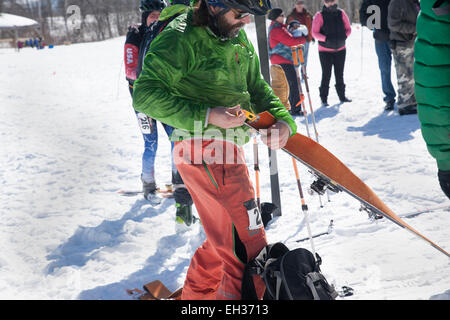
(70, 140)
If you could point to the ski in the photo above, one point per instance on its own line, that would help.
(332, 174)
(165, 193)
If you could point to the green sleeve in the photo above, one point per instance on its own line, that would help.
(154, 94)
(263, 97)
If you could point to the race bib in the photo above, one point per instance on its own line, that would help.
(254, 215)
(145, 123)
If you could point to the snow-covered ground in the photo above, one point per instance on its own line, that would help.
(70, 140)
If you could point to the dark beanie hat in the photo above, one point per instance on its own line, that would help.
(275, 13)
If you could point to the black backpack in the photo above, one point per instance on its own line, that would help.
(288, 275)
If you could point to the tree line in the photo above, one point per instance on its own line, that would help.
(77, 20)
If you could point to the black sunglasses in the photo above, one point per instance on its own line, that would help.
(238, 15)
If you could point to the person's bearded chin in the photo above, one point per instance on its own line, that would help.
(228, 30)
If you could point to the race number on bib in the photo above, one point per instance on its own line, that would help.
(144, 123)
(254, 215)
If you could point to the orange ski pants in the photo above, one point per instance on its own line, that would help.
(219, 190)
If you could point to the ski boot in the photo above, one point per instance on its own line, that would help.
(184, 214)
(150, 192)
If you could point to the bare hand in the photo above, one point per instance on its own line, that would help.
(276, 136)
(226, 117)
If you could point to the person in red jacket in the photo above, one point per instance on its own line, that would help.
(280, 42)
(331, 27)
(303, 16)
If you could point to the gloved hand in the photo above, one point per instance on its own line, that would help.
(444, 181)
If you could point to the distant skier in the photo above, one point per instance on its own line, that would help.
(280, 42)
(382, 46)
(432, 83)
(402, 17)
(136, 46)
(331, 27)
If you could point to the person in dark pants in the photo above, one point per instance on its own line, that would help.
(382, 47)
(402, 17)
(280, 42)
(330, 28)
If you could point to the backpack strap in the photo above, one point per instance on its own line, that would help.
(254, 267)
(279, 281)
(257, 266)
(311, 279)
(318, 284)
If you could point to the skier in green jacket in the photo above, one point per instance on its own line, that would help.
(198, 76)
(432, 82)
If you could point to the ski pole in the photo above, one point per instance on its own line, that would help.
(305, 77)
(256, 167)
(304, 207)
(295, 58)
(361, 50)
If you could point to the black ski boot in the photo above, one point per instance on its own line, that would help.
(183, 201)
(184, 214)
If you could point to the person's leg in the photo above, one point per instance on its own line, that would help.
(404, 65)
(183, 200)
(294, 93)
(339, 64)
(150, 134)
(326, 64)
(384, 55)
(224, 197)
(204, 274)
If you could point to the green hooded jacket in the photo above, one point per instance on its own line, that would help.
(189, 70)
(432, 81)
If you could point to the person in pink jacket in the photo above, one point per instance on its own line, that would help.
(331, 27)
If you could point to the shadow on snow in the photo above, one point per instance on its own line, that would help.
(390, 126)
(154, 269)
(81, 247)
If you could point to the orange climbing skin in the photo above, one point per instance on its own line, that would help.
(316, 156)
